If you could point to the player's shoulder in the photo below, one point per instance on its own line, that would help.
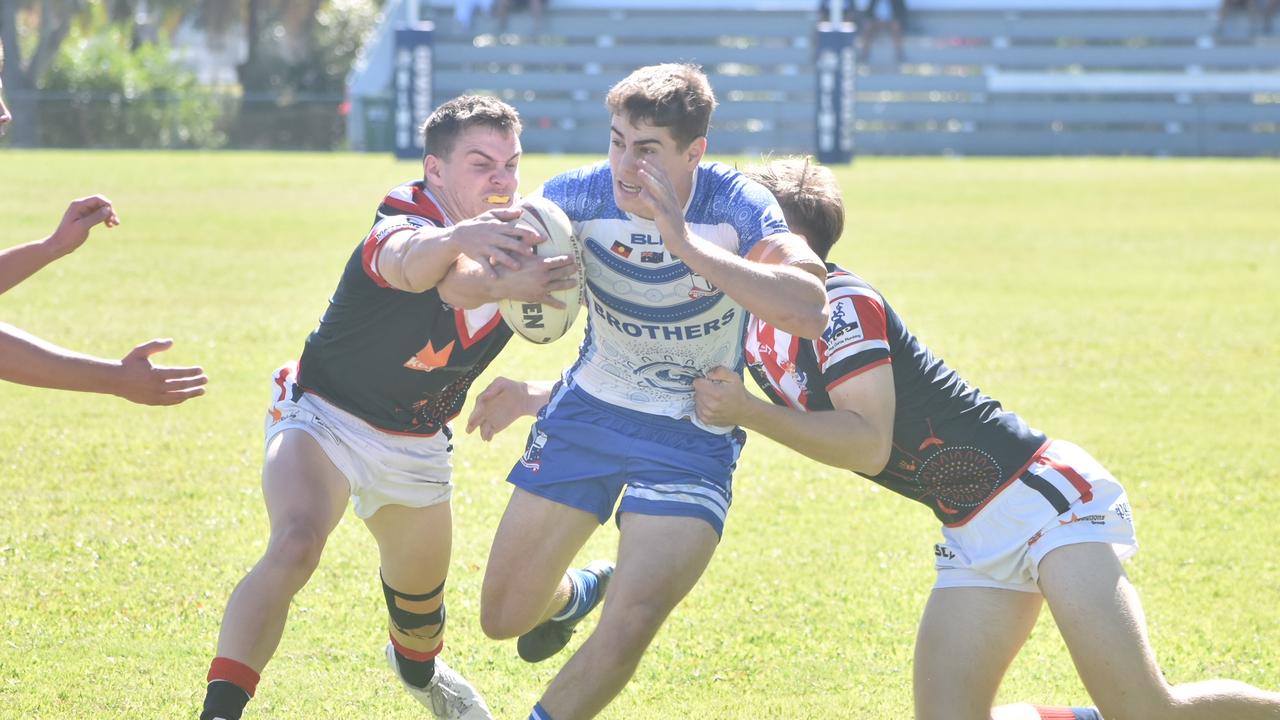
(584, 193)
(722, 193)
(411, 198)
(842, 284)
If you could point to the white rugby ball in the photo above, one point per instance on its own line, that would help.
(535, 321)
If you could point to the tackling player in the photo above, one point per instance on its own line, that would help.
(364, 413)
(1025, 518)
(676, 253)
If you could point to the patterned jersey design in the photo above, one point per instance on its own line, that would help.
(401, 361)
(953, 447)
(653, 324)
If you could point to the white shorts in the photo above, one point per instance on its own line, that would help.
(1064, 498)
(382, 468)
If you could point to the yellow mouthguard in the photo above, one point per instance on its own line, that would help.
(498, 199)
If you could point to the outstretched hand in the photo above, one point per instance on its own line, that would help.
(141, 382)
(492, 239)
(80, 216)
(498, 406)
(720, 398)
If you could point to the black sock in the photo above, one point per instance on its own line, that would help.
(415, 672)
(224, 701)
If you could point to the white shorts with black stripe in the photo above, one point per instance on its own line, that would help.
(1065, 497)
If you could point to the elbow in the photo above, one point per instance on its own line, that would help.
(867, 454)
(811, 325)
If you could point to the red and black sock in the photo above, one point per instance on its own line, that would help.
(231, 684)
(417, 668)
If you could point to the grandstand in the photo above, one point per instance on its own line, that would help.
(980, 77)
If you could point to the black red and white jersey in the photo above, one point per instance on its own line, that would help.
(401, 361)
(954, 448)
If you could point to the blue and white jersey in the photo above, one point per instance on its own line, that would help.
(653, 324)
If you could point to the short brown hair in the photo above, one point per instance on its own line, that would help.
(809, 196)
(672, 95)
(441, 130)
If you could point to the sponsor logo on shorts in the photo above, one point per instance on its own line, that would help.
(1096, 519)
(532, 458)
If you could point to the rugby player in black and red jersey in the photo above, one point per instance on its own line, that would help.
(1025, 518)
(364, 413)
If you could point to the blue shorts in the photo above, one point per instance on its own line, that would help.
(582, 452)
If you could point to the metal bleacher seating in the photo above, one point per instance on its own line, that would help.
(759, 63)
(1086, 78)
(1097, 81)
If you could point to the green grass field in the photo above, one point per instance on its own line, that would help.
(1131, 306)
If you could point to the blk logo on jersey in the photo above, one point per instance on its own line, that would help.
(621, 248)
(702, 287)
(844, 328)
(643, 239)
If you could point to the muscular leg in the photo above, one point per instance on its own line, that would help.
(659, 561)
(1101, 620)
(414, 545)
(305, 496)
(524, 582)
(967, 639)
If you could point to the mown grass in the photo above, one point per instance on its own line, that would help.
(1131, 306)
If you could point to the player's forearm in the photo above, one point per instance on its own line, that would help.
(21, 262)
(840, 438)
(28, 360)
(784, 296)
(465, 285)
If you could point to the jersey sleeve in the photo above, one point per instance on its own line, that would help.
(755, 215)
(856, 339)
(384, 230)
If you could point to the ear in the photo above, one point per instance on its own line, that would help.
(431, 170)
(697, 148)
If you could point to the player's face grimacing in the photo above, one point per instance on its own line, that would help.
(629, 143)
(481, 174)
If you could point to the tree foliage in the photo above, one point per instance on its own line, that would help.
(102, 93)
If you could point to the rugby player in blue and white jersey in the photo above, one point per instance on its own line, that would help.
(364, 413)
(676, 253)
(1026, 518)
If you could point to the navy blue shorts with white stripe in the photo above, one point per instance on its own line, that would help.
(584, 453)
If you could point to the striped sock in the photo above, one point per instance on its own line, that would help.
(539, 713)
(583, 587)
(1067, 713)
(416, 668)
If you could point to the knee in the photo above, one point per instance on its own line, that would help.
(504, 617)
(295, 549)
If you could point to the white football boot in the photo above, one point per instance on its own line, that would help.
(448, 696)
